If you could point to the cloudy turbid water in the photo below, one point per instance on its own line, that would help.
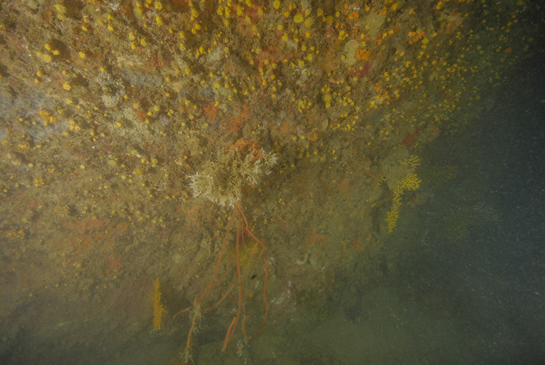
(272, 182)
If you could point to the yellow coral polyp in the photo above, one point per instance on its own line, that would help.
(60, 9)
(298, 18)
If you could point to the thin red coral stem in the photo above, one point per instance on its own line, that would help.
(221, 257)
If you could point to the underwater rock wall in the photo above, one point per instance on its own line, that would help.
(109, 107)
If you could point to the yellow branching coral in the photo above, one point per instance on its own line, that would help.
(397, 195)
(412, 161)
(411, 182)
(393, 215)
(157, 306)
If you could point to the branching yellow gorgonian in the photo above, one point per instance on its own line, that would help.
(157, 306)
(393, 215)
(410, 182)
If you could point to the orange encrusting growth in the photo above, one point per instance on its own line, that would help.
(157, 306)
